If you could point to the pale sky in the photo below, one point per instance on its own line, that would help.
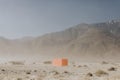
(19, 18)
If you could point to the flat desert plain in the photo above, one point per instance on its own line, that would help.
(46, 71)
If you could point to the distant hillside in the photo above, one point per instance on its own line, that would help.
(83, 41)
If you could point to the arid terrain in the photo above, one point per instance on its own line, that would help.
(74, 71)
(93, 52)
(59, 39)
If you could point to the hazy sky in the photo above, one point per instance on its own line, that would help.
(20, 18)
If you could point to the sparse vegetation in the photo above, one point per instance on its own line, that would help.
(19, 79)
(89, 74)
(85, 66)
(34, 63)
(28, 72)
(65, 72)
(35, 70)
(104, 62)
(55, 72)
(47, 62)
(100, 73)
(112, 69)
(2, 69)
(17, 62)
(79, 66)
(74, 65)
(44, 71)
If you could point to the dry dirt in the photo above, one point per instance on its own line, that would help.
(74, 71)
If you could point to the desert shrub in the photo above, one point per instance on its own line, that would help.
(28, 72)
(85, 66)
(79, 66)
(74, 65)
(112, 69)
(19, 78)
(34, 63)
(100, 73)
(17, 62)
(35, 70)
(44, 71)
(47, 62)
(66, 72)
(2, 69)
(89, 74)
(104, 62)
(54, 72)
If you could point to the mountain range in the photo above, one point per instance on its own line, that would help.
(97, 41)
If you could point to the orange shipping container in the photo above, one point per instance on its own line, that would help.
(60, 62)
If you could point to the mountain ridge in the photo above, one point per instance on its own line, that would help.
(84, 41)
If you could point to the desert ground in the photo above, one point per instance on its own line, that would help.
(92, 51)
(46, 71)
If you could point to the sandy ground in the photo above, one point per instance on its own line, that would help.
(74, 71)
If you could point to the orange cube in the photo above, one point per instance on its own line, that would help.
(60, 62)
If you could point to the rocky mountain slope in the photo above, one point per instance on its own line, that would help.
(83, 41)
